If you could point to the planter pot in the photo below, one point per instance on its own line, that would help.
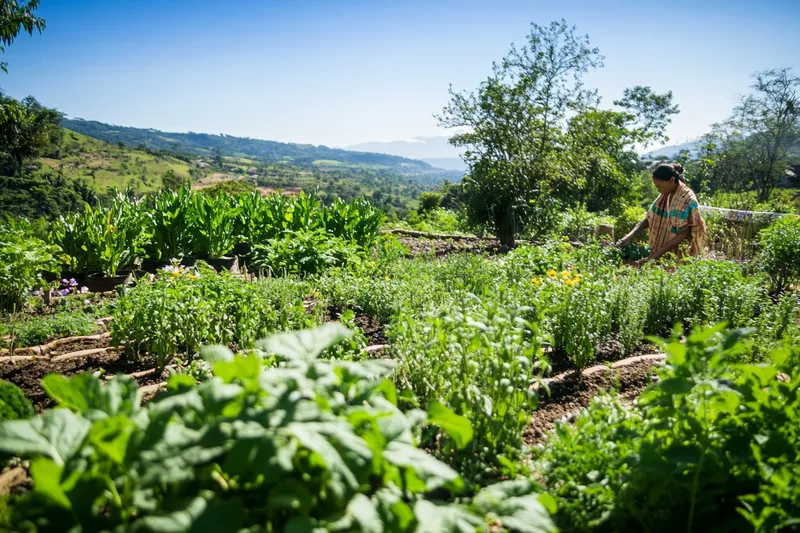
(241, 249)
(152, 266)
(102, 283)
(10, 303)
(224, 263)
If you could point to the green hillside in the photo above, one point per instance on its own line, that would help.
(78, 168)
(266, 151)
(105, 165)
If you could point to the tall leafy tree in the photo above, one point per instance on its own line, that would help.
(515, 120)
(769, 119)
(536, 140)
(27, 128)
(17, 16)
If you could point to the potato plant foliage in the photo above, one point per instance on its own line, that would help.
(308, 445)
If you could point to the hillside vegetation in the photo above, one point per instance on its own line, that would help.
(268, 151)
(105, 165)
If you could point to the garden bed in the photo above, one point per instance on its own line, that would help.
(570, 392)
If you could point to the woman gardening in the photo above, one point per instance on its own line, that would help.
(673, 219)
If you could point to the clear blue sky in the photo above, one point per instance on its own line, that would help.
(339, 72)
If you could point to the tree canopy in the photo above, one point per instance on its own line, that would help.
(16, 17)
(537, 140)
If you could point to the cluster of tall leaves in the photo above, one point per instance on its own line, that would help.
(711, 446)
(105, 239)
(311, 445)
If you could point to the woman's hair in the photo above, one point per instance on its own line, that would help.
(665, 171)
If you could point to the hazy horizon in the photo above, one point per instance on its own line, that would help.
(353, 72)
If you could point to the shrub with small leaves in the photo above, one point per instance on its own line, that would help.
(13, 403)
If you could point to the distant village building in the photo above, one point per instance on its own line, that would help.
(201, 164)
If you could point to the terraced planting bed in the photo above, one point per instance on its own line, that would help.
(551, 386)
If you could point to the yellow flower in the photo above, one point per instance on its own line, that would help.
(569, 283)
(192, 276)
(536, 281)
(565, 275)
(552, 274)
(577, 278)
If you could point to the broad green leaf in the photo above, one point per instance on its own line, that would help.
(203, 514)
(244, 369)
(110, 437)
(457, 427)
(56, 433)
(430, 470)
(216, 353)
(516, 505)
(305, 345)
(309, 438)
(47, 481)
(364, 513)
(432, 518)
(70, 393)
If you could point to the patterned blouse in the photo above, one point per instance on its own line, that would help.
(673, 213)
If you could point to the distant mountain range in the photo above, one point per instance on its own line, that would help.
(435, 150)
(672, 150)
(268, 151)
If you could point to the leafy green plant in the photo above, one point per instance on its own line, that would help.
(311, 445)
(23, 259)
(13, 403)
(780, 252)
(478, 357)
(710, 446)
(358, 221)
(186, 308)
(168, 214)
(104, 239)
(304, 252)
(213, 224)
(578, 320)
(38, 330)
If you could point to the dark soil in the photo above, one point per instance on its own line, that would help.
(607, 352)
(78, 345)
(28, 374)
(372, 329)
(575, 392)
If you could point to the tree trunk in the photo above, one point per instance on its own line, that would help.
(505, 226)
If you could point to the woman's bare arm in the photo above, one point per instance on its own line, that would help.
(637, 229)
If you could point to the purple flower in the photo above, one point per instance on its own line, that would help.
(73, 283)
(65, 281)
(37, 293)
(169, 268)
(84, 290)
(64, 292)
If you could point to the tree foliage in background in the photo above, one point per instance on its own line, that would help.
(27, 128)
(526, 158)
(16, 17)
(754, 147)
